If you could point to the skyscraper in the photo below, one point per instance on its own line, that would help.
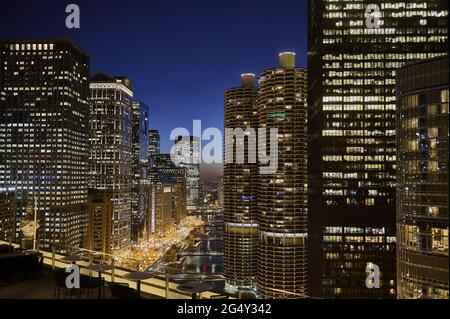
(353, 60)
(167, 203)
(422, 179)
(99, 220)
(44, 118)
(110, 149)
(139, 154)
(282, 196)
(241, 237)
(166, 171)
(154, 149)
(154, 141)
(187, 155)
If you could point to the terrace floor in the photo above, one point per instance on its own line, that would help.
(43, 288)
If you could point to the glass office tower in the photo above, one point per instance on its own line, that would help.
(44, 118)
(422, 179)
(355, 49)
(240, 187)
(99, 220)
(140, 166)
(282, 196)
(110, 149)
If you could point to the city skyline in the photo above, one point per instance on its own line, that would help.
(326, 177)
(207, 38)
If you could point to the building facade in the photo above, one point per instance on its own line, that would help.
(240, 189)
(422, 179)
(161, 202)
(355, 49)
(164, 166)
(110, 149)
(140, 151)
(154, 150)
(44, 124)
(220, 190)
(99, 225)
(282, 196)
(167, 202)
(187, 155)
(7, 215)
(154, 144)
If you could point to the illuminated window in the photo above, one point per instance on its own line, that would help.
(439, 240)
(411, 236)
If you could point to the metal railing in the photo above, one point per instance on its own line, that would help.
(162, 284)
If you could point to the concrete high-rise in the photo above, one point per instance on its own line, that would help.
(44, 125)
(240, 188)
(422, 179)
(110, 149)
(282, 195)
(355, 49)
(99, 220)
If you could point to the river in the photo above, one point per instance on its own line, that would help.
(211, 248)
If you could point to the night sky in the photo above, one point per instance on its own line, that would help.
(179, 55)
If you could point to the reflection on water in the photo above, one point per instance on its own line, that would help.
(211, 245)
(204, 264)
(213, 263)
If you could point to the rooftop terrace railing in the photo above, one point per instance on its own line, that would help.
(162, 285)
